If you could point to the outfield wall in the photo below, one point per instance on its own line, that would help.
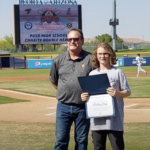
(40, 62)
(131, 61)
(46, 63)
(25, 62)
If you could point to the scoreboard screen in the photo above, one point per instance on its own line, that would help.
(45, 24)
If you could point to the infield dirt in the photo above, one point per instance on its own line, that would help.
(42, 108)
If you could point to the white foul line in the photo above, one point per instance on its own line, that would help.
(131, 105)
(34, 95)
(28, 94)
(51, 107)
(137, 109)
(51, 114)
(135, 105)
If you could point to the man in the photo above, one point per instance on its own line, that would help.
(139, 63)
(65, 70)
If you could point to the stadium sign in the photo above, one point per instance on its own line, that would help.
(48, 2)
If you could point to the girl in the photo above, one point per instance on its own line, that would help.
(103, 60)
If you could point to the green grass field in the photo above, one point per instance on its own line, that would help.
(40, 136)
(134, 68)
(24, 72)
(34, 86)
(28, 72)
(5, 100)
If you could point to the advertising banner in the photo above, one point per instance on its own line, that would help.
(120, 61)
(47, 24)
(39, 63)
(132, 61)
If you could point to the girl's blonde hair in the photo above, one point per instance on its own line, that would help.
(107, 48)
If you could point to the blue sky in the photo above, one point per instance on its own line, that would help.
(133, 15)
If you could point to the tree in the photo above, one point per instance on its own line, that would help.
(119, 40)
(107, 38)
(1, 44)
(103, 38)
(7, 43)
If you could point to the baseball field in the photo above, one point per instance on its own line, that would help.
(28, 106)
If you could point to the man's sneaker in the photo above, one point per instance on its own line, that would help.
(146, 73)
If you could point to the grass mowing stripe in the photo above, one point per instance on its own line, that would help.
(23, 72)
(4, 100)
(134, 68)
(139, 86)
(32, 72)
(40, 87)
(44, 87)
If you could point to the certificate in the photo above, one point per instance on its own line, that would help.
(100, 106)
(94, 84)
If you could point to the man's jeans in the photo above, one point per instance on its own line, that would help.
(66, 115)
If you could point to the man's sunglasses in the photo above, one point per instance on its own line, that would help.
(74, 39)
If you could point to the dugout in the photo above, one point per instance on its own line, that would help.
(16, 62)
(4, 61)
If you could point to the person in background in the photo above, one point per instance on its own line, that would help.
(103, 60)
(139, 63)
(65, 70)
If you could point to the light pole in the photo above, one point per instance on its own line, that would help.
(113, 22)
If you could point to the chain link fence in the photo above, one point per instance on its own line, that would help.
(62, 48)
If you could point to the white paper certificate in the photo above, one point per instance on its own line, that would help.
(100, 106)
